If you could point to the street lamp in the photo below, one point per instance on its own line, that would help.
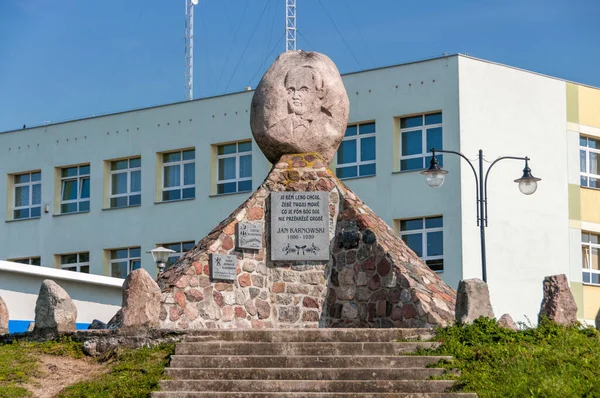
(435, 178)
(161, 256)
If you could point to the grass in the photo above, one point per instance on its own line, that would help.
(18, 363)
(546, 361)
(132, 373)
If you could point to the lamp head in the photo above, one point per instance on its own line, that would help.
(161, 256)
(527, 182)
(434, 174)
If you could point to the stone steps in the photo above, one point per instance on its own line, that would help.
(307, 335)
(211, 394)
(301, 348)
(305, 363)
(357, 386)
(262, 361)
(303, 373)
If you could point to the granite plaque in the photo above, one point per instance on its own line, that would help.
(299, 226)
(249, 235)
(222, 266)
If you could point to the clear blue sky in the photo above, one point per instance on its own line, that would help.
(66, 59)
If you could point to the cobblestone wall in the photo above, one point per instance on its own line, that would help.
(371, 279)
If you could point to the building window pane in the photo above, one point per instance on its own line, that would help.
(27, 195)
(123, 261)
(179, 175)
(126, 182)
(589, 165)
(77, 262)
(27, 260)
(425, 236)
(418, 134)
(590, 257)
(234, 167)
(356, 155)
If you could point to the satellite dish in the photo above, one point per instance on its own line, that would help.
(195, 2)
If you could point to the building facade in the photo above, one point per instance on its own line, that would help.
(95, 195)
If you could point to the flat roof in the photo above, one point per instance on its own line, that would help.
(344, 74)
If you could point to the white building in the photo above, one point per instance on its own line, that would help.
(96, 194)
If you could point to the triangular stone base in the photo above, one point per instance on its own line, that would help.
(371, 279)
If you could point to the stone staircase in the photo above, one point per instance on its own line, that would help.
(304, 363)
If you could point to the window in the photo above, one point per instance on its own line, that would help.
(590, 249)
(234, 167)
(356, 155)
(126, 182)
(123, 261)
(75, 189)
(180, 249)
(425, 237)
(28, 195)
(28, 260)
(418, 134)
(589, 167)
(78, 262)
(179, 175)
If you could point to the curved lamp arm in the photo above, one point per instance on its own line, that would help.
(433, 151)
(486, 177)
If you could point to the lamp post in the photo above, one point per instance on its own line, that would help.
(161, 256)
(435, 178)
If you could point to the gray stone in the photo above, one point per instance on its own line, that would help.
(286, 119)
(116, 321)
(472, 301)
(223, 267)
(141, 300)
(558, 303)
(3, 317)
(349, 311)
(54, 309)
(507, 322)
(299, 226)
(597, 320)
(97, 325)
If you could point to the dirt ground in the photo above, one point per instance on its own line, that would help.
(59, 372)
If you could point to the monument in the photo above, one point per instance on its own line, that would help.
(303, 250)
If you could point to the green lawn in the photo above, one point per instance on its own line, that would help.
(132, 373)
(545, 361)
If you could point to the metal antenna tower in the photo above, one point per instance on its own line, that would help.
(189, 49)
(290, 25)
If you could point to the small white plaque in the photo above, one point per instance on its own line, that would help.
(249, 235)
(222, 266)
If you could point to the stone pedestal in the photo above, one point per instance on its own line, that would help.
(370, 277)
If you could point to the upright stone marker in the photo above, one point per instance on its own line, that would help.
(249, 235)
(299, 226)
(222, 266)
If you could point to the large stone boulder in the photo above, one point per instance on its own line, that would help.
(507, 322)
(141, 300)
(300, 106)
(3, 317)
(54, 309)
(472, 301)
(558, 303)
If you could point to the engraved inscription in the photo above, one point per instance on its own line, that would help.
(299, 226)
(249, 235)
(222, 266)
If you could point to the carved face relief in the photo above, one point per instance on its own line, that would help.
(299, 106)
(304, 97)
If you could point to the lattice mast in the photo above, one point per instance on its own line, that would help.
(189, 50)
(290, 25)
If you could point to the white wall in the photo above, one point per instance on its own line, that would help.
(509, 112)
(95, 296)
(380, 95)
